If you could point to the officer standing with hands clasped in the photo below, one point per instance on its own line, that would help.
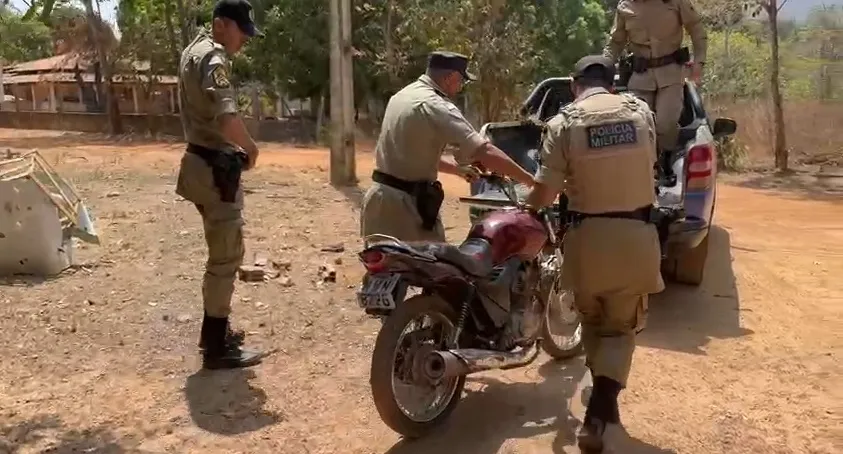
(653, 29)
(219, 148)
(420, 120)
(600, 150)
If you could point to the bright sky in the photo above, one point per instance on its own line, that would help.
(106, 7)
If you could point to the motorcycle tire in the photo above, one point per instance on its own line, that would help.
(383, 359)
(549, 347)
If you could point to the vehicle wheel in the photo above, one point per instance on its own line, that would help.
(688, 266)
(395, 368)
(561, 327)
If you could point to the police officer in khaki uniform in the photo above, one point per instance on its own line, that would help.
(219, 147)
(600, 150)
(420, 120)
(653, 29)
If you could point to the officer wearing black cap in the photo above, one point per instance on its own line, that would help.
(219, 148)
(420, 120)
(600, 150)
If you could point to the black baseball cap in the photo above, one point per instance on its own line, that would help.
(590, 61)
(450, 60)
(241, 12)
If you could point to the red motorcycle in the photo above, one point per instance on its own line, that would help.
(489, 303)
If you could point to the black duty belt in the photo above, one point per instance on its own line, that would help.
(225, 168)
(642, 64)
(642, 214)
(427, 194)
(410, 187)
(203, 152)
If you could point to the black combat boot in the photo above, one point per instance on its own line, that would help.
(232, 336)
(669, 176)
(602, 410)
(220, 353)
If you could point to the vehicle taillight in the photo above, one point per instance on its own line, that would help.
(372, 260)
(700, 161)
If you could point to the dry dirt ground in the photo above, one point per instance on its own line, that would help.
(104, 358)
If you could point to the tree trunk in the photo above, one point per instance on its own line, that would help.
(392, 66)
(779, 145)
(113, 109)
(171, 34)
(320, 115)
(183, 23)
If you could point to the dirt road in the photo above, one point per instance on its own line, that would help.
(103, 359)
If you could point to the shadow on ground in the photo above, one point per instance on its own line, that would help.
(226, 403)
(354, 195)
(684, 318)
(803, 184)
(46, 433)
(500, 411)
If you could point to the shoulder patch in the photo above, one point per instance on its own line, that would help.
(612, 134)
(220, 77)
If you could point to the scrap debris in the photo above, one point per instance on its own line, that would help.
(262, 269)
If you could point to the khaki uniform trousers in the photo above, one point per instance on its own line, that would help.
(390, 211)
(223, 224)
(612, 265)
(667, 103)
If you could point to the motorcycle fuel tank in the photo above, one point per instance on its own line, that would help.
(510, 232)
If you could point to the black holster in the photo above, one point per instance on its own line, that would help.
(226, 169)
(625, 65)
(428, 195)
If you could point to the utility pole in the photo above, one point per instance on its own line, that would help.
(2, 91)
(343, 172)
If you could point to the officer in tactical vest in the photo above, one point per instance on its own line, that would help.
(219, 148)
(420, 120)
(600, 150)
(653, 30)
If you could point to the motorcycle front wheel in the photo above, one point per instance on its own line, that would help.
(406, 400)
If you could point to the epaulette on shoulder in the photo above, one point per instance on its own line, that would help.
(571, 110)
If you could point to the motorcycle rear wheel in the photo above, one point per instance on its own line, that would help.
(382, 375)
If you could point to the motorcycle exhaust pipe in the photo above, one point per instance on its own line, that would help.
(455, 363)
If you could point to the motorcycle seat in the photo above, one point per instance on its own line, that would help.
(474, 255)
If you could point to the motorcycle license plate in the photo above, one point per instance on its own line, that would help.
(378, 292)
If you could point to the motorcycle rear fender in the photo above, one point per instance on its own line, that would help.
(419, 271)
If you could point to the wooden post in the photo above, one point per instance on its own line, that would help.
(16, 94)
(342, 150)
(53, 97)
(2, 88)
(32, 92)
(256, 103)
(337, 158)
(172, 100)
(135, 97)
(349, 171)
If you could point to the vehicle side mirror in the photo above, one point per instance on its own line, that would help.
(724, 127)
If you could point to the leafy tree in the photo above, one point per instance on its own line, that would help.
(22, 40)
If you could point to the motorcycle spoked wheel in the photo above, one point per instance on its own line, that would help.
(393, 355)
(560, 313)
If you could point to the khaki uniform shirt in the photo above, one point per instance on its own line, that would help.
(205, 91)
(652, 29)
(605, 166)
(418, 123)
